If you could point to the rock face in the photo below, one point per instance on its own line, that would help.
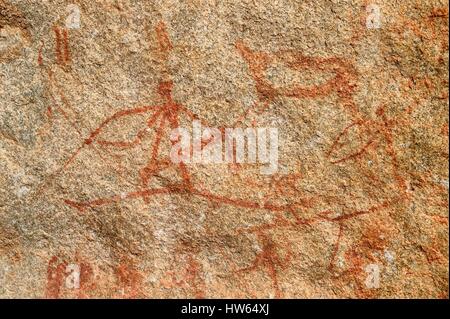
(93, 205)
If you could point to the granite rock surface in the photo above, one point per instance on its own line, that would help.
(91, 204)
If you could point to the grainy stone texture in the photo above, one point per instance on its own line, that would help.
(357, 89)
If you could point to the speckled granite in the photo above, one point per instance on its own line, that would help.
(90, 205)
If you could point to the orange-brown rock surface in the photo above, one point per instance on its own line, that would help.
(91, 205)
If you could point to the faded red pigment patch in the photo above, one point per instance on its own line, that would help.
(58, 271)
(62, 46)
(55, 277)
(129, 280)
